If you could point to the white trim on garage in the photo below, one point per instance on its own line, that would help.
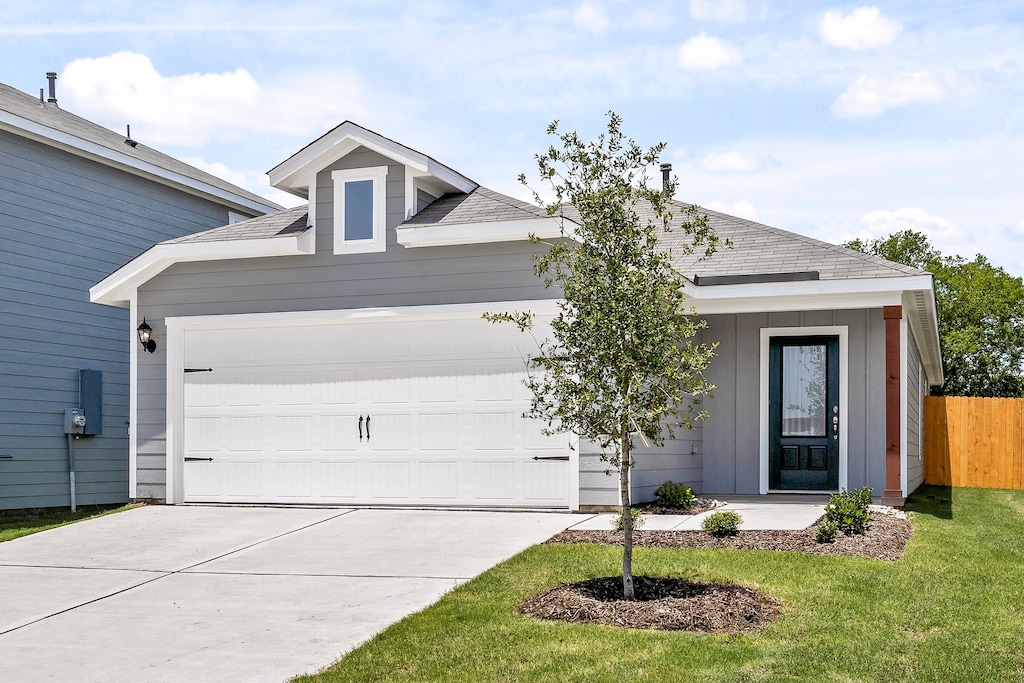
(178, 326)
(843, 332)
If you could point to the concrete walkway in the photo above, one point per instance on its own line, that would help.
(195, 593)
(783, 513)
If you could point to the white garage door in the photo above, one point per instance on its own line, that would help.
(394, 412)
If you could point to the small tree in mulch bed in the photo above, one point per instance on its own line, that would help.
(662, 604)
(622, 362)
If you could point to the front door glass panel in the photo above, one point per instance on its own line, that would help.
(804, 370)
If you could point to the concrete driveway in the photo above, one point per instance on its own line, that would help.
(197, 593)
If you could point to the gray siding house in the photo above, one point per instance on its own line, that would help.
(335, 353)
(77, 201)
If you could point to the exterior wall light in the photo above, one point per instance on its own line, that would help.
(146, 336)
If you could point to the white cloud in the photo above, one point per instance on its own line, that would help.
(718, 10)
(863, 28)
(591, 17)
(192, 109)
(741, 208)
(704, 53)
(884, 223)
(254, 181)
(1018, 230)
(870, 96)
(728, 162)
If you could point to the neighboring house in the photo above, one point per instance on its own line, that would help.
(334, 353)
(77, 201)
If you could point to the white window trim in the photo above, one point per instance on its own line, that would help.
(379, 176)
(843, 332)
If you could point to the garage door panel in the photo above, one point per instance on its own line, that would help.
(294, 479)
(202, 435)
(444, 397)
(339, 432)
(438, 431)
(338, 479)
(438, 480)
(293, 433)
(243, 479)
(390, 480)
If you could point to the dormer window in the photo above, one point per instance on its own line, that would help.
(359, 209)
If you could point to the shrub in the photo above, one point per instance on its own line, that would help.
(638, 519)
(826, 532)
(673, 495)
(848, 510)
(722, 523)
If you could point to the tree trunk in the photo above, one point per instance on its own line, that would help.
(627, 516)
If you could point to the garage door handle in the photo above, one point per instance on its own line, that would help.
(198, 459)
(367, 427)
(551, 457)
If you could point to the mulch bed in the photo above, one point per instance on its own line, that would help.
(661, 604)
(699, 506)
(886, 539)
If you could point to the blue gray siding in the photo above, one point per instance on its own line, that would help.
(731, 446)
(915, 433)
(66, 223)
(323, 281)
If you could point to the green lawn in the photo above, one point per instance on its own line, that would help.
(15, 526)
(951, 610)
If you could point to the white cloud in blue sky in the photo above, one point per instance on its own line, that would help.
(833, 120)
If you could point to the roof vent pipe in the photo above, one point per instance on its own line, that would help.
(666, 172)
(52, 77)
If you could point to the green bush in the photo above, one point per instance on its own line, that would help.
(722, 523)
(826, 532)
(673, 495)
(848, 510)
(638, 519)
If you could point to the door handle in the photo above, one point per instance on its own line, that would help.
(367, 428)
(835, 422)
(198, 459)
(360, 427)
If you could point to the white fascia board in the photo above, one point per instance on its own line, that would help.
(109, 157)
(479, 233)
(117, 288)
(295, 172)
(803, 295)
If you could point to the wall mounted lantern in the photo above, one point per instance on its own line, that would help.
(146, 336)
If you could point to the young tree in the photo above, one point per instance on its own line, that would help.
(981, 315)
(621, 360)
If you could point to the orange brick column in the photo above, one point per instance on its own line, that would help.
(893, 494)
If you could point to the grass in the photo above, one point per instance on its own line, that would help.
(952, 609)
(16, 526)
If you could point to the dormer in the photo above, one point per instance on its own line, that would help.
(360, 186)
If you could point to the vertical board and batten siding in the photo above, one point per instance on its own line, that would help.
(731, 448)
(915, 451)
(652, 467)
(974, 442)
(65, 224)
(394, 278)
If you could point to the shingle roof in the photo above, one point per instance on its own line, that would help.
(759, 249)
(51, 116)
(479, 206)
(288, 222)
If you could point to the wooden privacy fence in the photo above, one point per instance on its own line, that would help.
(974, 442)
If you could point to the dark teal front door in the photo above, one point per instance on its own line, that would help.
(803, 413)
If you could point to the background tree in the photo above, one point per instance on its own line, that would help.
(621, 360)
(981, 315)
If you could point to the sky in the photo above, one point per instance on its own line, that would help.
(833, 120)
